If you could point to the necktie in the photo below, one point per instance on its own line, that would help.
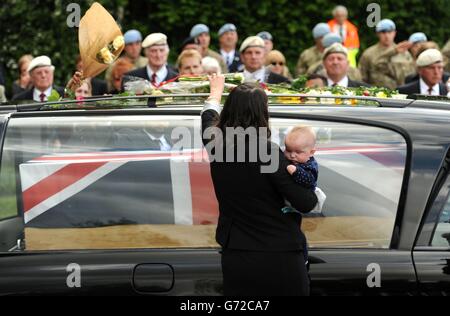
(154, 79)
(341, 32)
(430, 91)
(228, 60)
(334, 85)
(42, 96)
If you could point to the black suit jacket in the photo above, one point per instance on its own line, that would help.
(250, 203)
(142, 73)
(415, 77)
(414, 88)
(276, 78)
(357, 84)
(236, 65)
(27, 95)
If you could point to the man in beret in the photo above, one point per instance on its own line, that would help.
(268, 40)
(336, 64)
(41, 73)
(253, 55)
(132, 53)
(430, 65)
(387, 64)
(417, 39)
(190, 43)
(314, 54)
(318, 68)
(156, 71)
(201, 33)
(228, 39)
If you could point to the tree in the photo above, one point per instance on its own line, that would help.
(39, 27)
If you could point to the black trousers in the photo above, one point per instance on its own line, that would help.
(248, 273)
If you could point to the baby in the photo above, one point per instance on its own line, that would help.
(300, 149)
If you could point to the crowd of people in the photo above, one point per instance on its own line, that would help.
(415, 66)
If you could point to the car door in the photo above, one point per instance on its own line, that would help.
(10, 223)
(97, 214)
(139, 221)
(361, 170)
(432, 252)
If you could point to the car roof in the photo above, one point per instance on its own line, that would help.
(416, 117)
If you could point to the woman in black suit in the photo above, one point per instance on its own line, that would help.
(262, 248)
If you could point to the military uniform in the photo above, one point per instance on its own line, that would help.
(308, 58)
(218, 57)
(384, 67)
(446, 53)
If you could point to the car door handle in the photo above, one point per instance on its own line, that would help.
(153, 278)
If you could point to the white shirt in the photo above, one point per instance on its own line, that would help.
(342, 83)
(259, 75)
(161, 74)
(424, 88)
(164, 145)
(228, 57)
(37, 94)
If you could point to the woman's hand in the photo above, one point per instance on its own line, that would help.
(76, 81)
(217, 84)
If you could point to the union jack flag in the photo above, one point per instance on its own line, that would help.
(113, 188)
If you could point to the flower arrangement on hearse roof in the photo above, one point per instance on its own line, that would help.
(200, 84)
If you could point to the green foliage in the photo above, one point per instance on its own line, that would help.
(39, 26)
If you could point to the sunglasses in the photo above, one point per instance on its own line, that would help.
(279, 63)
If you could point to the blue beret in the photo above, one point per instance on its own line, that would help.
(132, 36)
(199, 29)
(330, 39)
(265, 36)
(320, 30)
(386, 25)
(227, 28)
(418, 38)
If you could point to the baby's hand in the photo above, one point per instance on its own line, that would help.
(291, 169)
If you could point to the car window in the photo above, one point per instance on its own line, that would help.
(441, 237)
(121, 182)
(361, 171)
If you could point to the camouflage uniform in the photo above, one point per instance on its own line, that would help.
(218, 57)
(308, 58)
(446, 53)
(384, 67)
(141, 62)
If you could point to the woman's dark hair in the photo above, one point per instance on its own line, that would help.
(246, 106)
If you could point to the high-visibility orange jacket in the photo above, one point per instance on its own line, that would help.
(351, 33)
